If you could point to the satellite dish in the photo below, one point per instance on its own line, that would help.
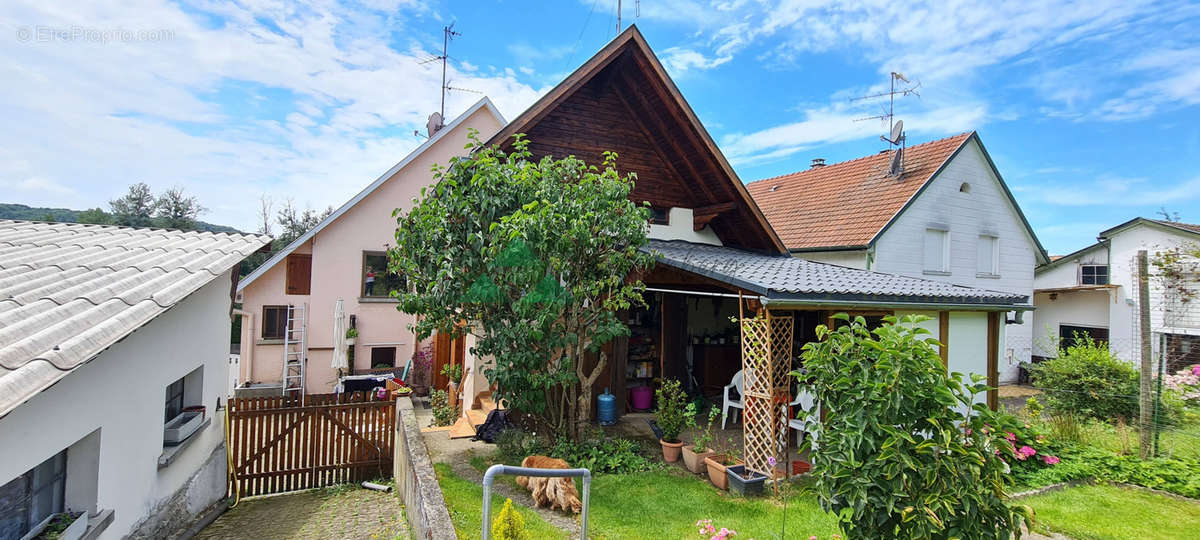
(434, 123)
(897, 132)
(896, 167)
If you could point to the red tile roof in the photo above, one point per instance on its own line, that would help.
(847, 203)
(1185, 226)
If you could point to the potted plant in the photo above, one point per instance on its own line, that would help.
(694, 454)
(670, 418)
(455, 374)
(61, 526)
(744, 482)
(351, 336)
(718, 463)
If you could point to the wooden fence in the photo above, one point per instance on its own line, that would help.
(278, 445)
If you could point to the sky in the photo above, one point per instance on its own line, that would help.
(1090, 109)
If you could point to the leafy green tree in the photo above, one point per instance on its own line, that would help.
(135, 208)
(904, 450)
(1087, 380)
(175, 210)
(48, 217)
(535, 257)
(294, 223)
(95, 216)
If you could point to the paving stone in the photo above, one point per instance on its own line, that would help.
(349, 513)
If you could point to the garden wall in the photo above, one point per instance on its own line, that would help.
(416, 482)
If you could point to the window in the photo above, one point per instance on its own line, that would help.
(937, 251)
(1069, 335)
(274, 322)
(383, 357)
(660, 216)
(1093, 274)
(174, 400)
(299, 273)
(28, 499)
(376, 281)
(988, 255)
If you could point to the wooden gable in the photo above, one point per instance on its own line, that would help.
(622, 100)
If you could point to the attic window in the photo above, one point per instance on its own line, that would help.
(659, 216)
(964, 188)
(773, 188)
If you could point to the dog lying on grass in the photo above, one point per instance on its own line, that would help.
(553, 493)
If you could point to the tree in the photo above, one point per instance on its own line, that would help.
(95, 216)
(175, 210)
(294, 223)
(48, 217)
(904, 450)
(134, 209)
(264, 214)
(535, 258)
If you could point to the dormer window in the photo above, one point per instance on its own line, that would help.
(1093, 274)
(660, 216)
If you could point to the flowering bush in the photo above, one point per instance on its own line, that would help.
(1024, 446)
(707, 530)
(1185, 382)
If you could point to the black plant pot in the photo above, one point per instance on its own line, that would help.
(743, 482)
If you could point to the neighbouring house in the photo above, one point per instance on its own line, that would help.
(1094, 292)
(947, 217)
(714, 243)
(113, 370)
(332, 261)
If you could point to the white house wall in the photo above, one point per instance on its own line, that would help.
(1075, 308)
(121, 394)
(849, 259)
(967, 337)
(984, 210)
(1123, 270)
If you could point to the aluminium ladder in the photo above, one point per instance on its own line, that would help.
(295, 350)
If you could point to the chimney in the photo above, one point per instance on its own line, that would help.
(818, 162)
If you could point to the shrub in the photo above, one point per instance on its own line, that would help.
(612, 456)
(509, 525)
(1174, 475)
(671, 414)
(1086, 379)
(703, 432)
(899, 455)
(443, 413)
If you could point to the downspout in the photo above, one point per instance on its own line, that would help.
(248, 356)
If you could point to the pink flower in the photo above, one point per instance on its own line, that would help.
(1050, 460)
(1009, 435)
(771, 461)
(1027, 451)
(1196, 370)
(813, 537)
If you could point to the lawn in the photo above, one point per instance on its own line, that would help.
(1111, 512)
(657, 504)
(1182, 441)
(464, 499)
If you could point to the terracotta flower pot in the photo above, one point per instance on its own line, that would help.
(671, 450)
(695, 460)
(800, 466)
(716, 471)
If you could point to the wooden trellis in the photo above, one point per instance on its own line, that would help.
(766, 362)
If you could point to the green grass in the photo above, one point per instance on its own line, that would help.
(1182, 441)
(464, 499)
(1111, 512)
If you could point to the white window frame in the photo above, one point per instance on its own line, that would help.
(1107, 273)
(945, 255)
(994, 271)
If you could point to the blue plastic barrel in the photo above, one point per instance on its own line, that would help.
(606, 408)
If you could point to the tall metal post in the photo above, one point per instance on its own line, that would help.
(1145, 407)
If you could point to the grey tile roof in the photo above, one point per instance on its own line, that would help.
(781, 277)
(69, 291)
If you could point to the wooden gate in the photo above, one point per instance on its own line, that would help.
(277, 445)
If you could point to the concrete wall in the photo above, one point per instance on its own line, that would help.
(337, 270)
(416, 482)
(679, 227)
(984, 210)
(110, 413)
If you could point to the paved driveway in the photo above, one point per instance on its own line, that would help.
(339, 512)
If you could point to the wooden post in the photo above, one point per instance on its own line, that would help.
(1145, 404)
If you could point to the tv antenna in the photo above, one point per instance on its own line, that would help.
(895, 137)
(437, 119)
(637, 12)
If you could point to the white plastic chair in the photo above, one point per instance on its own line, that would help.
(804, 401)
(732, 403)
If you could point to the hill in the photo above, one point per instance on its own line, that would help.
(66, 215)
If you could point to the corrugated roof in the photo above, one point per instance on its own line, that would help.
(847, 203)
(783, 277)
(68, 291)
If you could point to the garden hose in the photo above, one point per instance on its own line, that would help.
(237, 492)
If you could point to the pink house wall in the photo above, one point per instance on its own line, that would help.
(337, 254)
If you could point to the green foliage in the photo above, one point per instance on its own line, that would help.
(454, 372)
(174, 210)
(1033, 408)
(535, 254)
(898, 455)
(351, 333)
(704, 434)
(671, 415)
(603, 455)
(135, 208)
(1086, 379)
(1175, 475)
(1066, 427)
(443, 413)
(509, 525)
(95, 216)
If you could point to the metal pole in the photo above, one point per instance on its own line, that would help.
(489, 478)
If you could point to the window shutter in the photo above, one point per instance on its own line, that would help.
(299, 274)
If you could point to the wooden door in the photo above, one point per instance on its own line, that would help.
(445, 352)
(299, 273)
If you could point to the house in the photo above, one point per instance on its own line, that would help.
(113, 365)
(331, 262)
(1094, 292)
(715, 247)
(947, 217)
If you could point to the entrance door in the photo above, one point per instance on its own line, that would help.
(446, 352)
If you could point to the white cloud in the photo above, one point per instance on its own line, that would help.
(679, 60)
(298, 101)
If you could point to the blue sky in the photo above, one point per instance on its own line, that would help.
(1091, 110)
